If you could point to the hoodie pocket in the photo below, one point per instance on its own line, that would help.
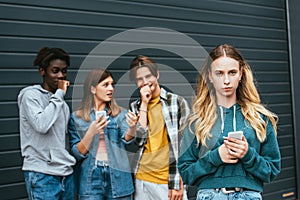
(60, 157)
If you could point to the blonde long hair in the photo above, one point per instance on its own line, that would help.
(204, 106)
(95, 76)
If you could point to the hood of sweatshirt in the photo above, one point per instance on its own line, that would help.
(30, 88)
(229, 113)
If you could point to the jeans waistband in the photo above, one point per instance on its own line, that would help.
(229, 190)
(103, 163)
(233, 189)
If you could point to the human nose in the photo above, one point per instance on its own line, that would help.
(226, 79)
(110, 87)
(142, 81)
(145, 81)
(60, 75)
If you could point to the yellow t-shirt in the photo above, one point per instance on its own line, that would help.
(154, 164)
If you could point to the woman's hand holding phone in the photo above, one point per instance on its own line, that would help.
(101, 121)
(236, 144)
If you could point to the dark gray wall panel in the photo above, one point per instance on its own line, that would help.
(293, 8)
(258, 28)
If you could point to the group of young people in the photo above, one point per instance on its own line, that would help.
(84, 154)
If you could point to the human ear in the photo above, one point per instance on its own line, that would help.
(210, 77)
(241, 75)
(42, 71)
(93, 90)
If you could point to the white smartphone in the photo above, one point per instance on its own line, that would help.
(100, 113)
(236, 134)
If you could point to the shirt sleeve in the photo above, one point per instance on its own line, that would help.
(184, 111)
(74, 139)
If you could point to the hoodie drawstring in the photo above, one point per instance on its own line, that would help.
(222, 118)
(233, 121)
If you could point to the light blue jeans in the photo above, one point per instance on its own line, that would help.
(212, 194)
(101, 186)
(43, 186)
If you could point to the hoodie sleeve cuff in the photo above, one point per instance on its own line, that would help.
(60, 93)
(215, 158)
(248, 155)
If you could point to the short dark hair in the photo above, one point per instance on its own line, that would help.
(46, 55)
(142, 61)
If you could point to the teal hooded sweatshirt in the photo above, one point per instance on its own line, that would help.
(203, 167)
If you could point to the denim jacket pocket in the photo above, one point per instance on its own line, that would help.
(113, 134)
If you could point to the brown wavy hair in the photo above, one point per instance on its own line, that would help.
(142, 61)
(95, 76)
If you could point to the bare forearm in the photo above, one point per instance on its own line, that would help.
(85, 143)
(130, 134)
(143, 115)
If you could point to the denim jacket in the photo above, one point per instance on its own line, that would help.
(121, 179)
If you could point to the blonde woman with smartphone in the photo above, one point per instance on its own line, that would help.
(227, 100)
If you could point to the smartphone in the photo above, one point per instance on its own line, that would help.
(100, 113)
(236, 134)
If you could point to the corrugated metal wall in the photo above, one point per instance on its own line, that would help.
(257, 28)
(293, 8)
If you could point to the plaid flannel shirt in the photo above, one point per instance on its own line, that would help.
(175, 110)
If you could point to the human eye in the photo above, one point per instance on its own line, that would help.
(64, 70)
(139, 79)
(218, 73)
(233, 72)
(55, 70)
(148, 76)
(105, 84)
